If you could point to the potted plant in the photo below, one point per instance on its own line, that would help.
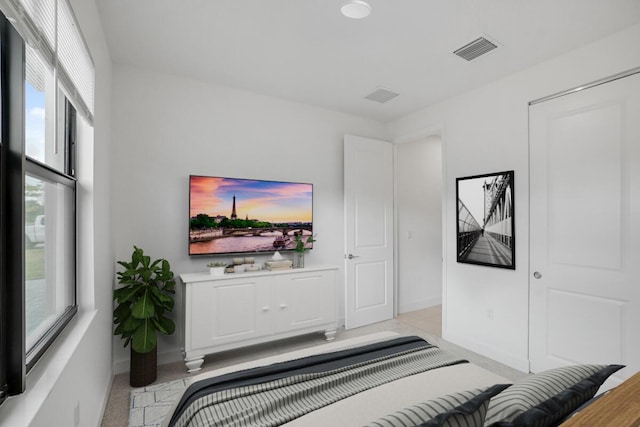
(300, 249)
(141, 307)
(217, 268)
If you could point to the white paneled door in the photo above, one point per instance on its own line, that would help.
(368, 189)
(585, 228)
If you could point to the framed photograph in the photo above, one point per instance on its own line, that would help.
(485, 220)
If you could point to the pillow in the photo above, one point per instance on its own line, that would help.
(584, 406)
(466, 409)
(543, 399)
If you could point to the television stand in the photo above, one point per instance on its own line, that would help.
(242, 309)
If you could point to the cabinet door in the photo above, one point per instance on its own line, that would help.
(228, 312)
(305, 300)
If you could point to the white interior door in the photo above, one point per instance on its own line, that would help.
(368, 189)
(585, 228)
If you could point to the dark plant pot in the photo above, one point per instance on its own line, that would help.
(144, 368)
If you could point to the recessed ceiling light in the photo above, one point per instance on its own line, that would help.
(356, 9)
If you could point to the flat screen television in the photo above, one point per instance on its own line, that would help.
(237, 216)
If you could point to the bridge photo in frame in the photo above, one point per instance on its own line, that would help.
(485, 220)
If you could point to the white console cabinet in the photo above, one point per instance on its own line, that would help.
(237, 310)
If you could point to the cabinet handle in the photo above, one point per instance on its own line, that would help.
(265, 308)
(283, 306)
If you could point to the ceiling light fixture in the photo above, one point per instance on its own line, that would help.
(356, 9)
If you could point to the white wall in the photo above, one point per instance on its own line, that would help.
(486, 130)
(166, 128)
(418, 175)
(74, 375)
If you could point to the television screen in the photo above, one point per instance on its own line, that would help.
(233, 216)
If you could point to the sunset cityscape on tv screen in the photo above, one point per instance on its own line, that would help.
(229, 215)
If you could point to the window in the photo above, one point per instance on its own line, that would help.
(40, 142)
(37, 202)
(3, 364)
(11, 350)
(49, 257)
(49, 209)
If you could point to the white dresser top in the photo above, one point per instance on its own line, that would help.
(206, 277)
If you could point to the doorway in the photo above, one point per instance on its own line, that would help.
(419, 223)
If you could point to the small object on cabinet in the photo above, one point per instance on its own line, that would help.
(216, 268)
(285, 264)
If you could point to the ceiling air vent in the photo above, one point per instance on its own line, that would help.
(476, 48)
(381, 95)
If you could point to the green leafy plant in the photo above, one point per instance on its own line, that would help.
(216, 264)
(143, 300)
(301, 244)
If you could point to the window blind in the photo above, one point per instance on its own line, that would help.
(34, 69)
(50, 27)
(74, 56)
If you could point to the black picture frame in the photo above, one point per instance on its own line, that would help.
(485, 220)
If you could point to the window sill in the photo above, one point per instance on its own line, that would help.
(20, 410)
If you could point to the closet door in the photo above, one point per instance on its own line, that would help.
(585, 228)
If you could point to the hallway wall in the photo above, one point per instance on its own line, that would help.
(419, 223)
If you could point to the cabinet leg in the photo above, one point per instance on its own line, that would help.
(194, 364)
(330, 334)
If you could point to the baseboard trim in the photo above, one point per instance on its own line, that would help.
(490, 352)
(106, 400)
(419, 305)
(165, 357)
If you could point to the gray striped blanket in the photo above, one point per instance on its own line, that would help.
(279, 401)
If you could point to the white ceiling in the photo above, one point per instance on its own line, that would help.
(306, 51)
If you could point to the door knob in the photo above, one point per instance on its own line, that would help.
(352, 256)
(537, 275)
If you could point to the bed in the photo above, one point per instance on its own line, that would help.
(380, 380)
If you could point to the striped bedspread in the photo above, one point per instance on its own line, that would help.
(276, 394)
